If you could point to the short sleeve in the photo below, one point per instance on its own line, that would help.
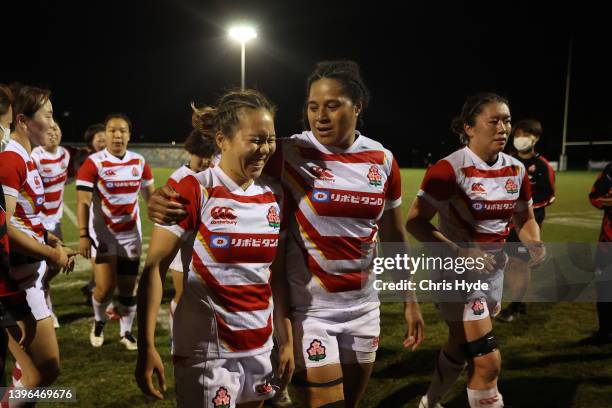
(524, 200)
(192, 196)
(87, 175)
(13, 173)
(393, 192)
(439, 183)
(147, 176)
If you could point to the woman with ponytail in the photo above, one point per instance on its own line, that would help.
(201, 147)
(222, 331)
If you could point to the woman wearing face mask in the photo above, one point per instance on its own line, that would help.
(37, 364)
(223, 323)
(336, 316)
(526, 133)
(108, 184)
(201, 151)
(467, 190)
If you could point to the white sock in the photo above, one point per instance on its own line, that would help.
(173, 305)
(127, 310)
(17, 374)
(490, 398)
(445, 375)
(99, 309)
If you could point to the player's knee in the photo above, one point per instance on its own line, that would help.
(104, 293)
(485, 361)
(319, 393)
(43, 375)
(487, 367)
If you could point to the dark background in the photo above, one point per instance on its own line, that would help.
(150, 59)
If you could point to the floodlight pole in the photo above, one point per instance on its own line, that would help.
(563, 157)
(243, 65)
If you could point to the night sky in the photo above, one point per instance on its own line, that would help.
(150, 59)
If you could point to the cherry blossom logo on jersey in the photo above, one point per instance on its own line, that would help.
(316, 351)
(223, 215)
(63, 166)
(222, 398)
(135, 172)
(374, 176)
(320, 196)
(321, 173)
(220, 241)
(263, 389)
(511, 187)
(478, 188)
(478, 307)
(273, 217)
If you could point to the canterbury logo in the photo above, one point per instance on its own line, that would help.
(322, 174)
(222, 214)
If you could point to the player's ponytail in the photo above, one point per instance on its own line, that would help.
(204, 121)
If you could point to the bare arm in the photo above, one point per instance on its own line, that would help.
(392, 230)
(419, 225)
(162, 210)
(526, 226)
(528, 232)
(282, 322)
(84, 198)
(147, 192)
(28, 246)
(163, 247)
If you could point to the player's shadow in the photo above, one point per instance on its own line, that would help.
(520, 364)
(67, 318)
(419, 363)
(542, 392)
(399, 397)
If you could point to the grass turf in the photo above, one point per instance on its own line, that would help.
(542, 366)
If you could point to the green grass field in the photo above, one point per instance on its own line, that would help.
(542, 366)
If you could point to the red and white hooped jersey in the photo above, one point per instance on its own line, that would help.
(183, 256)
(476, 201)
(236, 237)
(116, 183)
(53, 169)
(20, 178)
(337, 198)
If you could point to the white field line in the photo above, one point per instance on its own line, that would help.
(71, 215)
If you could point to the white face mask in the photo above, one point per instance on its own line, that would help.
(523, 144)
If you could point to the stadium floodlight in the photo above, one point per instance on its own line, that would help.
(242, 34)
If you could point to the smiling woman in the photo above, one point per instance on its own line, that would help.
(235, 217)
